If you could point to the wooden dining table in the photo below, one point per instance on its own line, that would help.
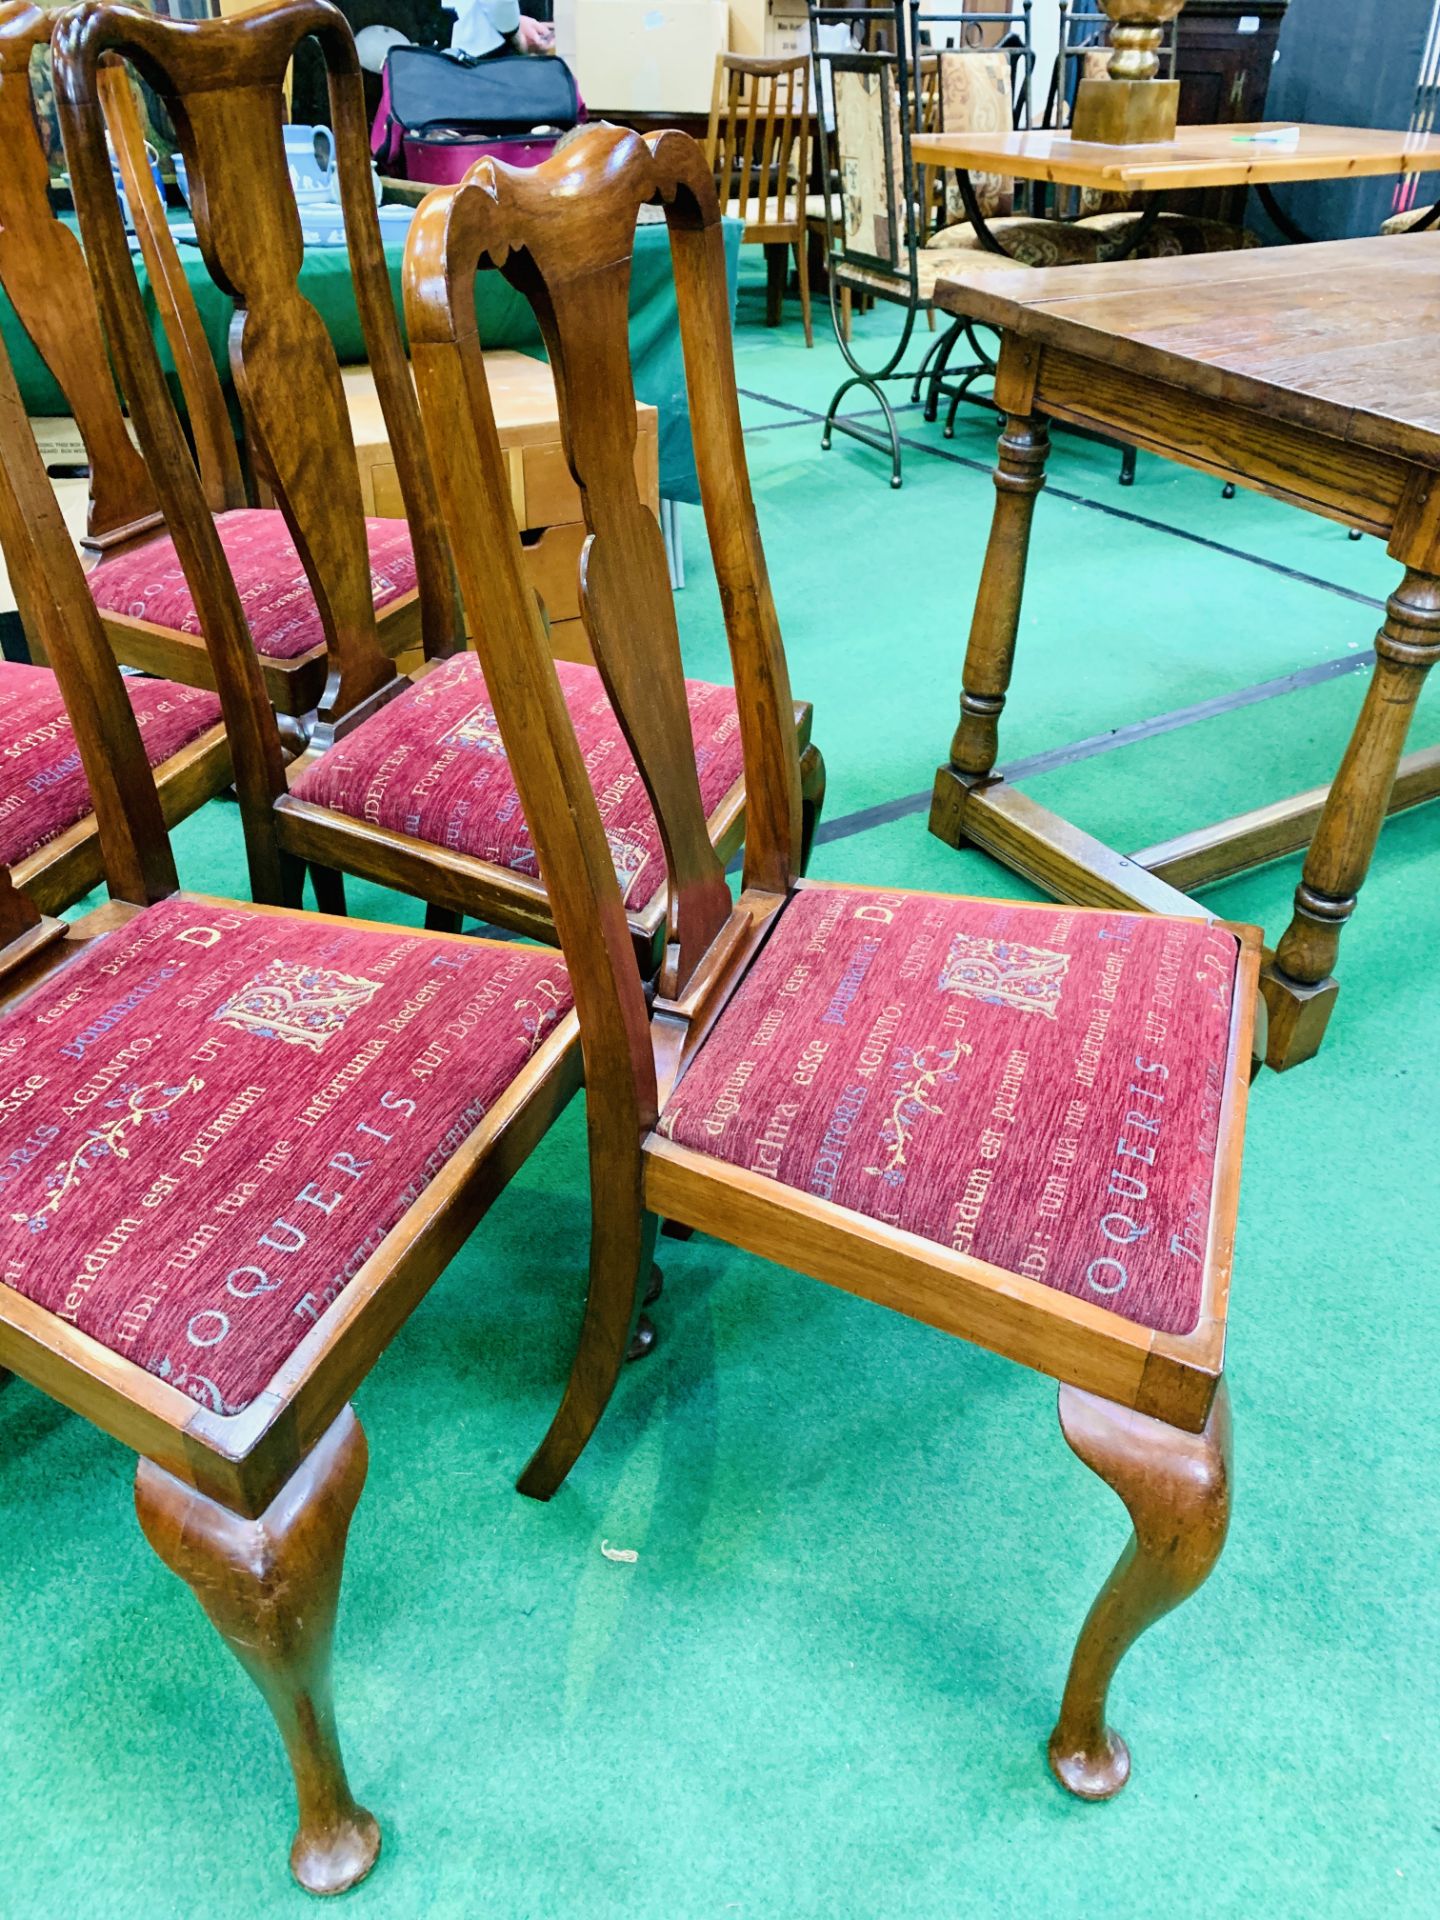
(1307, 373)
(1259, 154)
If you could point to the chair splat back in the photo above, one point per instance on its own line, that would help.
(563, 234)
(55, 606)
(222, 83)
(451, 234)
(43, 271)
(259, 768)
(215, 451)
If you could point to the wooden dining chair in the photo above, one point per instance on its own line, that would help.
(406, 783)
(49, 837)
(759, 152)
(243, 1143)
(1020, 1124)
(153, 620)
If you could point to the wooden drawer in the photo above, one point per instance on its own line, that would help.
(552, 561)
(569, 641)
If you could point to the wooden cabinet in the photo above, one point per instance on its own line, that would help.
(1224, 54)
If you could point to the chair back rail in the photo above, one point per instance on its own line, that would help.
(222, 83)
(43, 271)
(55, 606)
(758, 144)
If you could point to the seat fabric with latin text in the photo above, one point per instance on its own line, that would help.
(148, 583)
(1034, 1086)
(432, 764)
(43, 789)
(214, 1115)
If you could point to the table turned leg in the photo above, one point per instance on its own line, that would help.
(1298, 983)
(990, 656)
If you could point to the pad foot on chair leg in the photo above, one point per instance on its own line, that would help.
(643, 1340)
(1091, 1774)
(1299, 1014)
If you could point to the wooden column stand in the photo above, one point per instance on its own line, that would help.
(1133, 107)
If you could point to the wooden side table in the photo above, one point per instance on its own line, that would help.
(1303, 372)
(545, 497)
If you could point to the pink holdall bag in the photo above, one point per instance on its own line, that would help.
(441, 111)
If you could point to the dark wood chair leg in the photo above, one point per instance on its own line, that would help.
(1298, 983)
(619, 1256)
(270, 1587)
(812, 800)
(777, 272)
(329, 885)
(990, 656)
(802, 268)
(444, 920)
(1176, 1486)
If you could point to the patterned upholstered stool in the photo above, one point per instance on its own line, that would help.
(1018, 1124)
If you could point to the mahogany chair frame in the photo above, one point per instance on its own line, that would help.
(222, 83)
(44, 273)
(1146, 1410)
(758, 147)
(251, 1509)
(52, 296)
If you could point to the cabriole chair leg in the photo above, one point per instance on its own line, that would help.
(1176, 1486)
(271, 1587)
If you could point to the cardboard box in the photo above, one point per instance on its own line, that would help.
(543, 492)
(776, 29)
(643, 56)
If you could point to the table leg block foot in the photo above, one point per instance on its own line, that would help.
(1299, 1015)
(947, 806)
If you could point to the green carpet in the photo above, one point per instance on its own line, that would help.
(824, 1687)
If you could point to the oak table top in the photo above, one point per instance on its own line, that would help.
(1337, 337)
(1203, 156)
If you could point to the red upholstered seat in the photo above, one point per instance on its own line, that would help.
(1036, 1086)
(213, 1116)
(43, 789)
(432, 764)
(148, 583)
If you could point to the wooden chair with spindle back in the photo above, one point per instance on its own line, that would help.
(759, 151)
(49, 837)
(406, 783)
(149, 612)
(1020, 1124)
(253, 1140)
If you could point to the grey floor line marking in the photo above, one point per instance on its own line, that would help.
(1102, 506)
(1097, 743)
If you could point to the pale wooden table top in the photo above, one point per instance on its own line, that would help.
(1341, 336)
(1196, 157)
